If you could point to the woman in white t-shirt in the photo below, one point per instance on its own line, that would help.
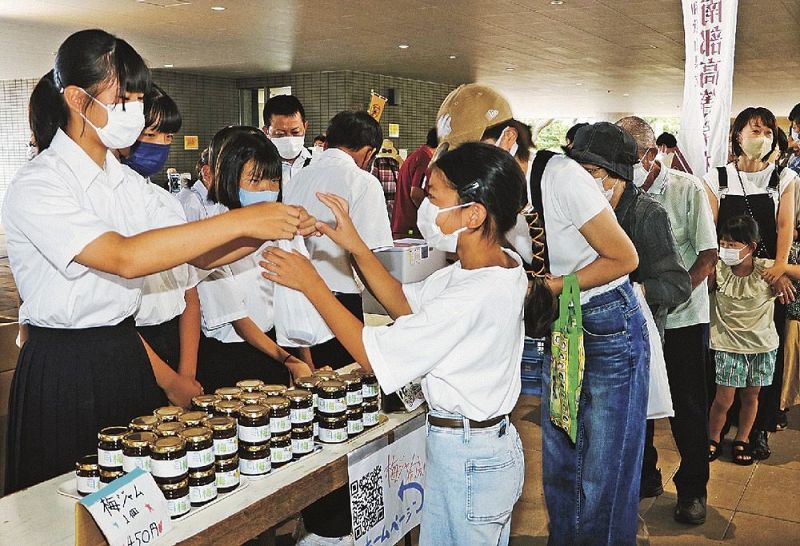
(752, 185)
(460, 330)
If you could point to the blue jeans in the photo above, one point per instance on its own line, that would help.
(591, 488)
(473, 477)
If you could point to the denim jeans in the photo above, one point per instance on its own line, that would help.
(473, 477)
(591, 488)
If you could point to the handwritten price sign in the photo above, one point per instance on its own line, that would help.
(130, 511)
(387, 491)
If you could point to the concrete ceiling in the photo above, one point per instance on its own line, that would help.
(579, 58)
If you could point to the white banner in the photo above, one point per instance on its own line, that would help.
(710, 30)
(387, 491)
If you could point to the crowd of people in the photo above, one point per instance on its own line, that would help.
(133, 297)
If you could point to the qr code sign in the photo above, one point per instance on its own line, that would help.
(366, 499)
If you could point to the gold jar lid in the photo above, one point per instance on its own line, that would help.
(273, 390)
(168, 413)
(111, 474)
(192, 418)
(254, 411)
(354, 411)
(230, 461)
(369, 377)
(228, 393)
(220, 423)
(282, 437)
(250, 385)
(171, 428)
(139, 439)
(87, 463)
(276, 402)
(170, 444)
(299, 395)
(205, 400)
(196, 435)
(324, 374)
(333, 419)
(350, 379)
(144, 423)
(177, 486)
(228, 407)
(254, 448)
(332, 385)
(248, 398)
(202, 473)
(303, 428)
(112, 434)
(308, 382)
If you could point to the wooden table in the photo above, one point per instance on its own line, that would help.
(39, 515)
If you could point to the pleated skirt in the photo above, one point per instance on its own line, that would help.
(70, 383)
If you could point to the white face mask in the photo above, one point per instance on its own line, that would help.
(124, 125)
(317, 150)
(640, 174)
(756, 147)
(430, 230)
(665, 159)
(289, 147)
(730, 256)
(606, 193)
(514, 147)
(795, 134)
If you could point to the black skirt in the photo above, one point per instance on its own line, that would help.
(224, 364)
(165, 339)
(332, 353)
(70, 383)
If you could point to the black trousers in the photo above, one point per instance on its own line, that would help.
(684, 352)
(769, 398)
(332, 353)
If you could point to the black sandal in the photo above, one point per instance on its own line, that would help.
(742, 454)
(713, 455)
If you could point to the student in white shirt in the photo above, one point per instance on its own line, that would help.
(168, 318)
(460, 330)
(343, 169)
(285, 124)
(236, 304)
(82, 231)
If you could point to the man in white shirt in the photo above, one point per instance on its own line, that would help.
(343, 169)
(285, 124)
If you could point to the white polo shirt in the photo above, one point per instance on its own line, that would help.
(55, 206)
(291, 169)
(464, 338)
(336, 172)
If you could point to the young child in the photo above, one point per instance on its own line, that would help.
(743, 333)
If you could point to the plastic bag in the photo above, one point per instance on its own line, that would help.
(659, 401)
(297, 322)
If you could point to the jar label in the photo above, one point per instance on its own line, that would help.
(370, 391)
(303, 415)
(200, 459)
(332, 405)
(129, 463)
(355, 426)
(169, 469)
(354, 398)
(202, 493)
(314, 399)
(254, 435)
(228, 479)
(302, 445)
(370, 419)
(225, 446)
(281, 454)
(88, 485)
(109, 459)
(316, 429)
(178, 507)
(280, 424)
(255, 467)
(333, 436)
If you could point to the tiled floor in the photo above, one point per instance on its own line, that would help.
(758, 504)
